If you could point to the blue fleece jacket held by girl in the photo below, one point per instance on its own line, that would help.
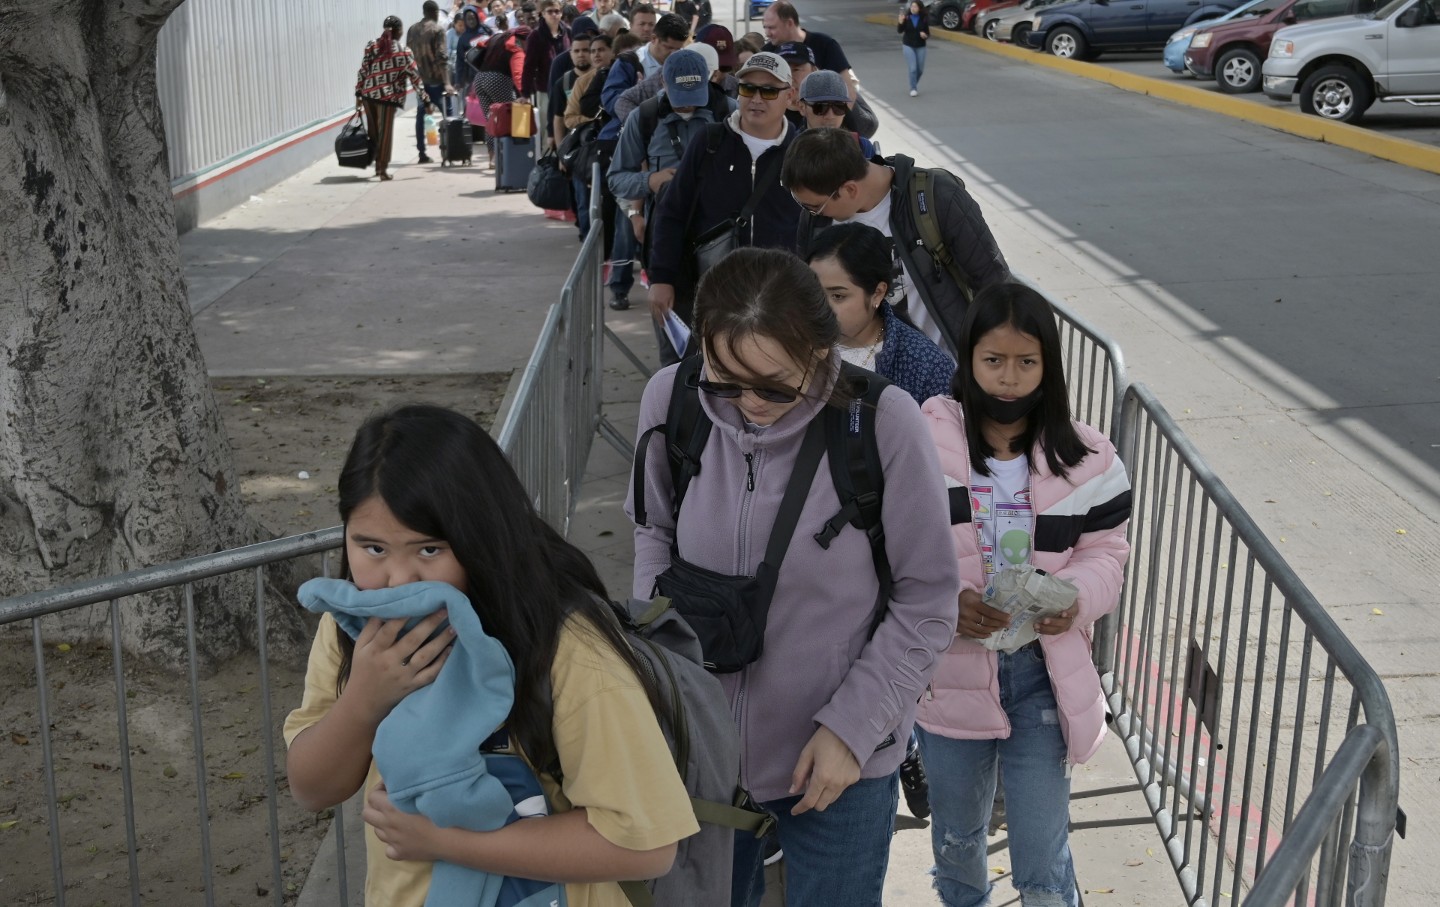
(428, 749)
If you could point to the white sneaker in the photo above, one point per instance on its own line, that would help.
(914, 93)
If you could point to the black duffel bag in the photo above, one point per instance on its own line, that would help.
(352, 145)
(548, 188)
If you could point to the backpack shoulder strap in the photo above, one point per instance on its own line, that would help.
(686, 429)
(714, 135)
(923, 185)
(649, 115)
(858, 474)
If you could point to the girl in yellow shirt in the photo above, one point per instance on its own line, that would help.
(426, 494)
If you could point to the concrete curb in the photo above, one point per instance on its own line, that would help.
(1400, 151)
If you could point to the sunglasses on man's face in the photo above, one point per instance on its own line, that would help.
(732, 391)
(825, 108)
(768, 92)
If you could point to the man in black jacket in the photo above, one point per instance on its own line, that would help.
(833, 183)
(718, 175)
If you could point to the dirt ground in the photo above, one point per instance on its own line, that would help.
(290, 437)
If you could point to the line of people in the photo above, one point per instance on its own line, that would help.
(800, 261)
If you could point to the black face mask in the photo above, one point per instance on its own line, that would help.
(1007, 412)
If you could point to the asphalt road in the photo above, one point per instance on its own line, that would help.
(1419, 124)
(1279, 295)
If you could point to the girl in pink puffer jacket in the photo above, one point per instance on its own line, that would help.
(1027, 486)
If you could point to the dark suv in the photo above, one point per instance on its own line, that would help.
(1082, 29)
(1233, 52)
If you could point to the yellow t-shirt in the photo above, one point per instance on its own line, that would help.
(612, 753)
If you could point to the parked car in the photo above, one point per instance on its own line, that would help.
(1012, 24)
(1082, 29)
(1232, 52)
(947, 13)
(960, 15)
(1180, 41)
(1342, 66)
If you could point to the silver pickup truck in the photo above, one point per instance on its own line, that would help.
(1342, 66)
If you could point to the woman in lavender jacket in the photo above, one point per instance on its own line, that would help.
(824, 712)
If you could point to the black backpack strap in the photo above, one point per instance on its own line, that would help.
(686, 429)
(802, 476)
(676, 144)
(859, 476)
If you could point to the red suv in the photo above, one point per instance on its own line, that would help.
(1233, 52)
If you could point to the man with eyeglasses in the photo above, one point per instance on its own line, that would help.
(717, 177)
(946, 250)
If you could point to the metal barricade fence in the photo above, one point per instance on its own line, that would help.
(558, 390)
(1263, 742)
(553, 414)
(1211, 664)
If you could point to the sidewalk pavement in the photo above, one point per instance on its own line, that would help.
(329, 273)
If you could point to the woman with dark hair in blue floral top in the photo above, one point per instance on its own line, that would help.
(856, 267)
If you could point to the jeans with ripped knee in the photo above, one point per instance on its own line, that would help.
(1037, 795)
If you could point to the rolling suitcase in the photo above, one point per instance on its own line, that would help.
(516, 158)
(457, 142)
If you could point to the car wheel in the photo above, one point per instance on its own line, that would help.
(1020, 35)
(1336, 93)
(1067, 42)
(987, 31)
(1238, 71)
(950, 18)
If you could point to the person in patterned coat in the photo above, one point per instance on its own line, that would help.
(387, 72)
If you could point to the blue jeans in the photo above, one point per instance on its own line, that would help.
(1037, 795)
(835, 857)
(622, 255)
(582, 205)
(437, 97)
(915, 62)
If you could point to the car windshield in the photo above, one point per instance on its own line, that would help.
(1389, 9)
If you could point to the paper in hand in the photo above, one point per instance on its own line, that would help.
(677, 332)
(1026, 594)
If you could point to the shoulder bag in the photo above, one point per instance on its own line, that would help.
(725, 237)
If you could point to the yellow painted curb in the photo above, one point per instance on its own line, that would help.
(1401, 151)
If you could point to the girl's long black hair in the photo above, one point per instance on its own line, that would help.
(442, 475)
(1024, 309)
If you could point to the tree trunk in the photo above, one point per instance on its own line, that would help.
(112, 455)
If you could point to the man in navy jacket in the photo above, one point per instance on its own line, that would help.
(716, 177)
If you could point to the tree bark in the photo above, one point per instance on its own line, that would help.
(112, 455)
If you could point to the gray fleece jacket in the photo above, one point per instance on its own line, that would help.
(818, 667)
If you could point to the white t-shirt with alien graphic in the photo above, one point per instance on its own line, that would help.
(1001, 506)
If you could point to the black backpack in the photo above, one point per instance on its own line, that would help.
(853, 453)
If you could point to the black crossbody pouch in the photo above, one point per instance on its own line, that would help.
(729, 613)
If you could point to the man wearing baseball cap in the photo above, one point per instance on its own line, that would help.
(734, 167)
(824, 102)
(657, 133)
(720, 38)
